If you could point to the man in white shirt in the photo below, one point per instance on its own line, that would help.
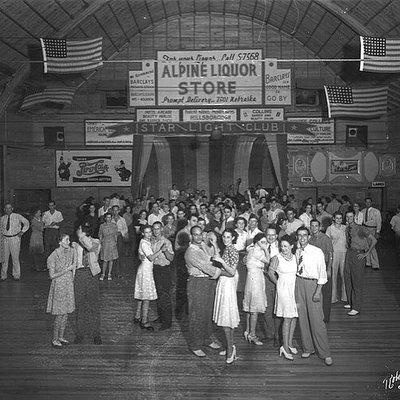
(272, 322)
(252, 229)
(395, 225)
(311, 276)
(13, 226)
(373, 221)
(293, 223)
(274, 211)
(173, 193)
(105, 207)
(52, 219)
(122, 236)
(156, 214)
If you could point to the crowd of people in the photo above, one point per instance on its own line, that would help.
(256, 251)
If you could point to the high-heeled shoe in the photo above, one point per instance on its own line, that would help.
(246, 335)
(254, 339)
(293, 350)
(232, 358)
(287, 355)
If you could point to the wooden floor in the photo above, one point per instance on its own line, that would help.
(132, 364)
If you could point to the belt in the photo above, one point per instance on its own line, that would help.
(357, 250)
(369, 226)
(78, 269)
(307, 279)
(12, 235)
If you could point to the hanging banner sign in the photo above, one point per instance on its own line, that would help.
(157, 115)
(142, 86)
(93, 168)
(206, 128)
(209, 55)
(100, 132)
(209, 78)
(261, 114)
(204, 114)
(323, 132)
(278, 84)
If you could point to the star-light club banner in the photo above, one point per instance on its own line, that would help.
(93, 168)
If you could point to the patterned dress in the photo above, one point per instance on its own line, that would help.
(108, 233)
(255, 298)
(285, 302)
(36, 240)
(226, 311)
(61, 298)
(145, 288)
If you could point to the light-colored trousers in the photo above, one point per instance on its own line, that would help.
(311, 319)
(12, 246)
(338, 267)
(372, 259)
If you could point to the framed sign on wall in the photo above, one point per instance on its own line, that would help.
(93, 168)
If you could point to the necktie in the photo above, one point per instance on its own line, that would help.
(8, 223)
(300, 263)
(366, 215)
(348, 236)
(269, 249)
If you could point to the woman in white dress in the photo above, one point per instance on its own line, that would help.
(285, 266)
(255, 298)
(145, 288)
(226, 313)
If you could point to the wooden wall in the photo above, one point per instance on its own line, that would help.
(28, 164)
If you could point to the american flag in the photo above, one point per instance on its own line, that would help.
(380, 54)
(60, 95)
(344, 101)
(62, 56)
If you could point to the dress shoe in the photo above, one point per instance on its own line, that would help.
(348, 306)
(254, 339)
(232, 358)
(293, 350)
(352, 313)
(16, 279)
(306, 355)
(146, 327)
(287, 355)
(97, 340)
(222, 353)
(246, 335)
(56, 344)
(101, 277)
(78, 340)
(328, 361)
(199, 353)
(215, 345)
(63, 341)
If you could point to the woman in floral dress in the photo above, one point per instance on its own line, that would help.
(61, 302)
(108, 233)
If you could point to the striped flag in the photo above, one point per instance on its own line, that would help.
(380, 54)
(60, 95)
(62, 56)
(343, 101)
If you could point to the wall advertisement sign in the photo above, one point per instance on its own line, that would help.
(323, 132)
(278, 84)
(209, 78)
(100, 133)
(93, 168)
(206, 114)
(261, 114)
(142, 90)
(157, 115)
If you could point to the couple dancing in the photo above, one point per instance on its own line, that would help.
(299, 279)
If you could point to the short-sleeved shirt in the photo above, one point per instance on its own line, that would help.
(395, 223)
(338, 237)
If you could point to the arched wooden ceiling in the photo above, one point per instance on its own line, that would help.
(330, 29)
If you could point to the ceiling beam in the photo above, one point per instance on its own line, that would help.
(345, 17)
(23, 70)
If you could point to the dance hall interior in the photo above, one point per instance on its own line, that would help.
(200, 199)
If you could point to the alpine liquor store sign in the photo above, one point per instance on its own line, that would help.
(210, 78)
